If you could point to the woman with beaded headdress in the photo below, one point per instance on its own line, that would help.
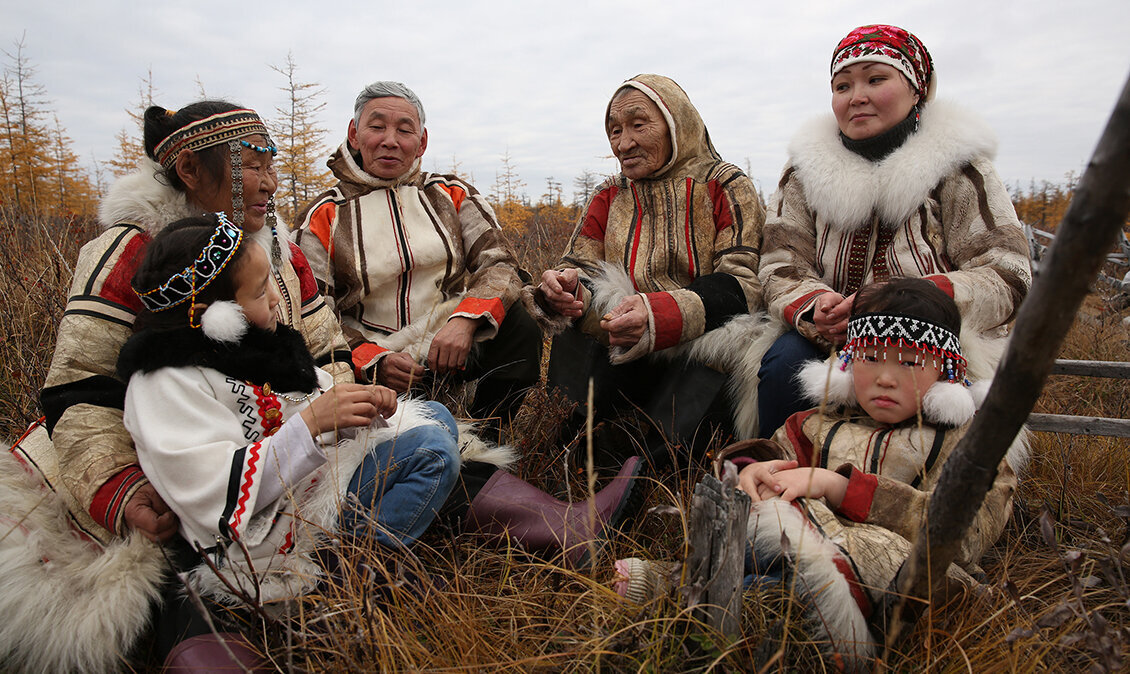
(892, 183)
(210, 156)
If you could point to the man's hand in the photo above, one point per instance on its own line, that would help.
(758, 477)
(398, 371)
(831, 316)
(148, 513)
(452, 343)
(560, 291)
(626, 321)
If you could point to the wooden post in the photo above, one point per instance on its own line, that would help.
(716, 563)
(1090, 226)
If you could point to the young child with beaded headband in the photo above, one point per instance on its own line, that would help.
(847, 483)
(249, 443)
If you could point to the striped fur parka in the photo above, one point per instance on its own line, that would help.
(687, 236)
(398, 258)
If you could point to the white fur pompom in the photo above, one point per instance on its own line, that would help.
(979, 390)
(816, 381)
(223, 322)
(948, 403)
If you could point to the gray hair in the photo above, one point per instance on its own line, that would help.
(386, 89)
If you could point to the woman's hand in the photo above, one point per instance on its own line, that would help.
(756, 477)
(626, 321)
(560, 291)
(831, 313)
(346, 406)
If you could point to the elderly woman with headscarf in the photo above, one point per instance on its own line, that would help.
(892, 183)
(664, 255)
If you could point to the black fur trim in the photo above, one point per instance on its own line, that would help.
(722, 298)
(262, 356)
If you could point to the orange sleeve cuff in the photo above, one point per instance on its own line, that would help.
(363, 357)
(475, 307)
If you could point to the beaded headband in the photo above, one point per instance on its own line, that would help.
(926, 339)
(217, 253)
(207, 132)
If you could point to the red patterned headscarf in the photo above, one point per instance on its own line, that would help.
(892, 45)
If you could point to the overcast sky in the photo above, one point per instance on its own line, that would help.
(533, 78)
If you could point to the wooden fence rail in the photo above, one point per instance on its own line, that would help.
(1078, 425)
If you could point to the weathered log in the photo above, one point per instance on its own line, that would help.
(1089, 229)
(1092, 368)
(1066, 423)
(715, 566)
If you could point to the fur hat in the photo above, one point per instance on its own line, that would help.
(893, 46)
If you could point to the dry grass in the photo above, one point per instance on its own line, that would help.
(1059, 577)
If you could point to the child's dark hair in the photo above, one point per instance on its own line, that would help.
(914, 297)
(160, 123)
(172, 250)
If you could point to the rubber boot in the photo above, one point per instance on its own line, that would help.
(205, 653)
(507, 505)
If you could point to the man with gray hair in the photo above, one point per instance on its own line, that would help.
(416, 266)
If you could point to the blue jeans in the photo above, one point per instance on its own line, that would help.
(403, 482)
(778, 393)
(762, 573)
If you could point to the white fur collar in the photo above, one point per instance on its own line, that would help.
(143, 198)
(846, 189)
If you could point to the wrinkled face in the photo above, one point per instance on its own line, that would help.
(390, 137)
(638, 134)
(869, 98)
(259, 183)
(888, 388)
(255, 289)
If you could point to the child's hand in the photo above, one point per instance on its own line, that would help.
(385, 400)
(345, 406)
(760, 477)
(808, 482)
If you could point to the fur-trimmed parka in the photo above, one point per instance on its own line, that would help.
(933, 208)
